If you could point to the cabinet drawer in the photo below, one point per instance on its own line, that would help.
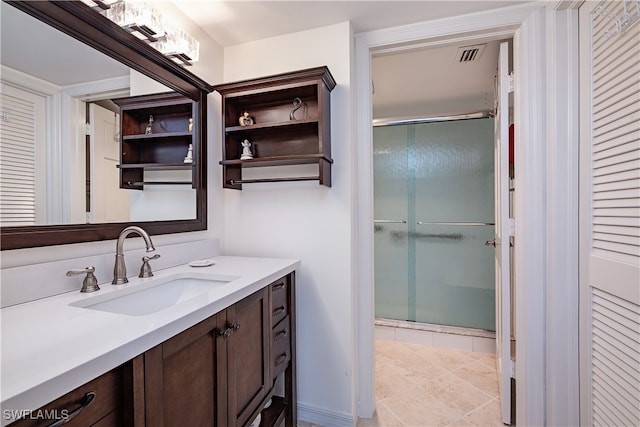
(107, 399)
(279, 300)
(281, 354)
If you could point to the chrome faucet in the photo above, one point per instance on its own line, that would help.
(120, 269)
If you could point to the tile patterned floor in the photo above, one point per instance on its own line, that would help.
(421, 386)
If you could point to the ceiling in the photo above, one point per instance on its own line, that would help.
(35, 48)
(406, 78)
(431, 82)
(403, 81)
(233, 22)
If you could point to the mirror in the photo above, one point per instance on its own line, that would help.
(79, 197)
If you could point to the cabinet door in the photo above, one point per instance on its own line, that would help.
(181, 378)
(248, 358)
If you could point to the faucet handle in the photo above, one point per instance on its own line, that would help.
(145, 270)
(90, 283)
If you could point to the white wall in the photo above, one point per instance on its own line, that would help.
(306, 221)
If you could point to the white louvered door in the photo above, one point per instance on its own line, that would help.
(610, 218)
(22, 157)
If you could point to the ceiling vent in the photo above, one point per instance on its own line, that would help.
(470, 53)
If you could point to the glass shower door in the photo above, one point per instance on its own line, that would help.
(390, 226)
(454, 205)
(446, 195)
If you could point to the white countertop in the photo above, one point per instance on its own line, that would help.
(50, 347)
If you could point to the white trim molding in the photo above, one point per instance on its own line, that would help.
(527, 23)
(562, 257)
(530, 219)
(324, 417)
(73, 134)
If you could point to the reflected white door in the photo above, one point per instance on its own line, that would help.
(109, 203)
(503, 232)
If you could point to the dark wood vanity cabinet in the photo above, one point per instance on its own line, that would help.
(287, 122)
(156, 132)
(224, 371)
(221, 372)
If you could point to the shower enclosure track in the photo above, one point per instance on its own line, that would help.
(417, 120)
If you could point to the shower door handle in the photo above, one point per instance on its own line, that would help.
(389, 221)
(490, 243)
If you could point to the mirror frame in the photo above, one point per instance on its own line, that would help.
(83, 23)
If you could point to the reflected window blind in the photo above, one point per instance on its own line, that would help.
(17, 161)
(615, 151)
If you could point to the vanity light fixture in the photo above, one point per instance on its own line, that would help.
(179, 46)
(99, 5)
(150, 25)
(139, 18)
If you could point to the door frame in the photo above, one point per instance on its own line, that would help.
(73, 100)
(549, 183)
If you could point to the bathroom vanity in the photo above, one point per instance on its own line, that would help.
(190, 346)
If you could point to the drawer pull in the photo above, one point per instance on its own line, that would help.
(278, 311)
(84, 402)
(280, 335)
(278, 286)
(281, 359)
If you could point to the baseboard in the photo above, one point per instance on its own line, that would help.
(325, 417)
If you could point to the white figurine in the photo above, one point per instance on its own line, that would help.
(246, 150)
(190, 124)
(189, 158)
(149, 130)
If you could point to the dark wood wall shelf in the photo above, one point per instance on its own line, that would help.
(158, 166)
(173, 130)
(276, 138)
(153, 137)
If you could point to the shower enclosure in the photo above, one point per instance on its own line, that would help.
(434, 211)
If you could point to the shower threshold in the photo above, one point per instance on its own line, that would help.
(442, 329)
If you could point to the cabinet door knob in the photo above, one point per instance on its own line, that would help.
(235, 326)
(225, 333)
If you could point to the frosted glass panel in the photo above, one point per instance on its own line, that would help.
(455, 277)
(390, 234)
(448, 275)
(453, 164)
(392, 275)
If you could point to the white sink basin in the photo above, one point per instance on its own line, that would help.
(148, 298)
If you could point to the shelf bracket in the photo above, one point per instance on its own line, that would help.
(135, 183)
